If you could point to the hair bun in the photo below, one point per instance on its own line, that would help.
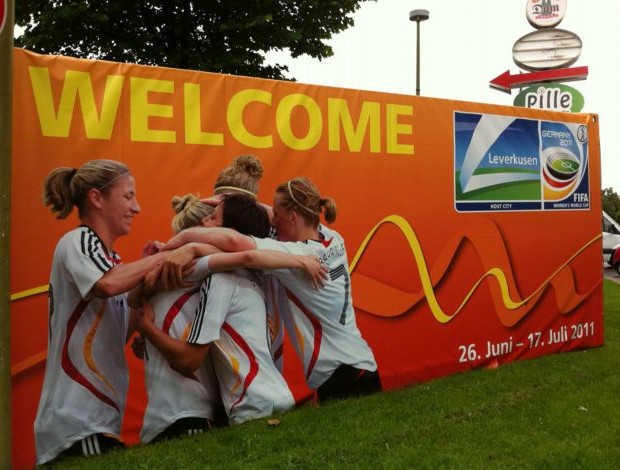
(249, 164)
(179, 203)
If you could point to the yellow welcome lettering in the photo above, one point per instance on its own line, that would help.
(58, 123)
(99, 115)
(193, 129)
(394, 128)
(234, 118)
(339, 116)
(141, 110)
(283, 121)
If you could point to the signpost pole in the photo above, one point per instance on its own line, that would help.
(6, 82)
(417, 60)
(417, 16)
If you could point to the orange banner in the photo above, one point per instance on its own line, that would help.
(473, 230)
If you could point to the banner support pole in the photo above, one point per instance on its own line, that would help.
(7, 18)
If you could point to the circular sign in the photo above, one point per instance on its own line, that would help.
(545, 13)
(547, 49)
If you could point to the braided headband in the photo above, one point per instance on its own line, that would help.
(113, 180)
(290, 191)
(219, 189)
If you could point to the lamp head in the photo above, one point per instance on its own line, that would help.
(418, 15)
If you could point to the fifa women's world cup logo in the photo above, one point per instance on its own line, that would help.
(562, 170)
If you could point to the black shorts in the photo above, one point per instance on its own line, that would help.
(94, 444)
(348, 381)
(184, 427)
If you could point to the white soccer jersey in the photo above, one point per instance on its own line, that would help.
(86, 378)
(274, 295)
(171, 394)
(321, 324)
(232, 317)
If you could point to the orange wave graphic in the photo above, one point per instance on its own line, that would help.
(510, 305)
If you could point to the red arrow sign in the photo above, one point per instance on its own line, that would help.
(505, 82)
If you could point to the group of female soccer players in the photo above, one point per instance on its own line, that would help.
(211, 305)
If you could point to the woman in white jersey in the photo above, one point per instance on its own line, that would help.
(321, 324)
(86, 378)
(179, 404)
(242, 176)
(230, 322)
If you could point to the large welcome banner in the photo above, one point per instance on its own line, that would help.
(473, 230)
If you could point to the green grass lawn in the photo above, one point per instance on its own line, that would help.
(559, 411)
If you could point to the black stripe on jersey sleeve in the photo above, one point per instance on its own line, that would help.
(337, 272)
(93, 242)
(99, 249)
(334, 274)
(200, 310)
(83, 242)
(105, 261)
(91, 246)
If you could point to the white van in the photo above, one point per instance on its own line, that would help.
(611, 236)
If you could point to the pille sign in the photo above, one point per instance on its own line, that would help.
(552, 97)
(545, 13)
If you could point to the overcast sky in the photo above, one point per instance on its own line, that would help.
(464, 45)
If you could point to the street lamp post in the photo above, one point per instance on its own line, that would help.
(418, 16)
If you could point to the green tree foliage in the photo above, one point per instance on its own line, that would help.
(611, 203)
(226, 36)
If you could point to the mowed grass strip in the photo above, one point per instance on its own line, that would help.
(558, 411)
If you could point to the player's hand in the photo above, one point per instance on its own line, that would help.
(138, 347)
(177, 265)
(316, 271)
(152, 247)
(145, 316)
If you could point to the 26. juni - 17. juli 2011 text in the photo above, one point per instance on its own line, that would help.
(535, 339)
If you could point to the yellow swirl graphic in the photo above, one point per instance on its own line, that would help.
(30, 292)
(489, 244)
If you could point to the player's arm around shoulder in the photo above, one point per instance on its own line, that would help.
(182, 356)
(223, 238)
(124, 277)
